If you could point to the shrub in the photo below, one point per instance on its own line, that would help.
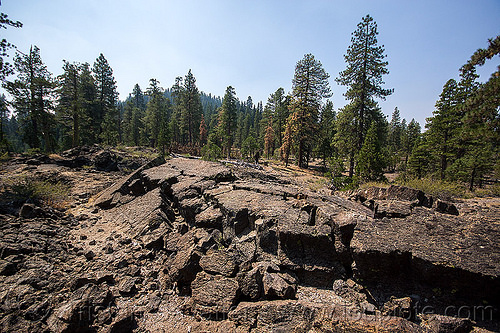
(437, 188)
(53, 194)
(211, 152)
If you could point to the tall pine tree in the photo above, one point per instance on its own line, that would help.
(32, 92)
(227, 119)
(191, 110)
(309, 87)
(106, 118)
(363, 78)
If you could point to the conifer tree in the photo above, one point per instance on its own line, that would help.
(227, 120)
(409, 138)
(326, 132)
(444, 125)
(5, 67)
(106, 117)
(345, 137)
(363, 77)
(88, 96)
(280, 106)
(480, 134)
(395, 139)
(203, 131)
(138, 97)
(76, 92)
(156, 116)
(289, 138)
(419, 160)
(4, 120)
(32, 92)
(370, 160)
(269, 138)
(174, 124)
(191, 109)
(309, 87)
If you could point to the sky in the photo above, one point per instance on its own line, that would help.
(254, 45)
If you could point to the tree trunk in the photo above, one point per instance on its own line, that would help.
(472, 176)
(351, 165)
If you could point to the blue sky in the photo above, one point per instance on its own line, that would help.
(254, 45)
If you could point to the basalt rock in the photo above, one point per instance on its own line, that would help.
(185, 244)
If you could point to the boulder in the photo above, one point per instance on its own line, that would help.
(279, 285)
(213, 294)
(106, 161)
(219, 262)
(182, 269)
(211, 217)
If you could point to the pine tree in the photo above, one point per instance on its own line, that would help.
(326, 132)
(370, 160)
(345, 138)
(5, 67)
(227, 119)
(269, 138)
(288, 138)
(88, 97)
(309, 87)
(363, 76)
(419, 160)
(249, 146)
(138, 97)
(395, 139)
(176, 95)
(106, 117)
(71, 109)
(410, 137)
(203, 132)
(32, 94)
(191, 109)
(4, 120)
(479, 135)
(133, 115)
(157, 115)
(280, 105)
(444, 125)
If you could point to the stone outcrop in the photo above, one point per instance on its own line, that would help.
(186, 244)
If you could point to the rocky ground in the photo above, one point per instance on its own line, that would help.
(188, 246)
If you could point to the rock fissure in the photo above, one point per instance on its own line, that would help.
(246, 251)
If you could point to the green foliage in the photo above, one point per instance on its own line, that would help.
(324, 147)
(32, 93)
(462, 139)
(211, 152)
(363, 78)
(441, 189)
(370, 161)
(5, 67)
(249, 147)
(191, 110)
(309, 87)
(156, 119)
(106, 118)
(4, 157)
(227, 120)
(75, 101)
(46, 192)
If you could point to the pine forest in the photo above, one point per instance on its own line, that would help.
(352, 145)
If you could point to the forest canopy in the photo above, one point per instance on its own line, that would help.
(356, 143)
